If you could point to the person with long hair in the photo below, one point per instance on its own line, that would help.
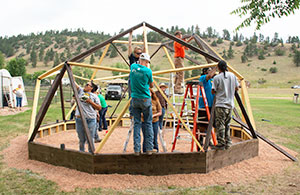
(224, 86)
(156, 112)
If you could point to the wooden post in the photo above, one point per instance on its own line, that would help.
(169, 58)
(145, 39)
(121, 54)
(80, 109)
(112, 128)
(34, 107)
(178, 116)
(100, 61)
(70, 111)
(47, 101)
(62, 102)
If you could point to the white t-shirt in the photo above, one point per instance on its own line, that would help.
(19, 92)
(225, 89)
(88, 110)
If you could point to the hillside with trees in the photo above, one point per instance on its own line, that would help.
(257, 57)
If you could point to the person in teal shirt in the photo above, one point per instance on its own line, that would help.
(207, 79)
(141, 80)
(102, 113)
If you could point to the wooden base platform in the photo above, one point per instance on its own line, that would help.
(156, 164)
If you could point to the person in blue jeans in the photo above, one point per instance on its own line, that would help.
(102, 112)
(141, 80)
(19, 96)
(156, 113)
(89, 103)
(163, 103)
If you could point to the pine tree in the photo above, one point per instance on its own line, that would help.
(230, 52)
(92, 59)
(33, 58)
(41, 54)
(2, 60)
(16, 67)
(56, 60)
(296, 59)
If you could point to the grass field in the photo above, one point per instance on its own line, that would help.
(274, 105)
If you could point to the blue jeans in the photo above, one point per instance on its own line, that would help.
(19, 101)
(91, 122)
(144, 106)
(102, 119)
(161, 118)
(155, 133)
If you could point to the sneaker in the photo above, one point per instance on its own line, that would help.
(150, 152)
(137, 153)
(218, 147)
(98, 140)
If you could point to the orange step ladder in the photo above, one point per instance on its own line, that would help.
(195, 107)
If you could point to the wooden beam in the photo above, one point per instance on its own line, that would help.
(95, 48)
(145, 39)
(265, 139)
(121, 55)
(195, 49)
(62, 101)
(184, 69)
(82, 78)
(161, 78)
(47, 101)
(99, 67)
(136, 42)
(239, 101)
(192, 78)
(111, 77)
(169, 58)
(34, 107)
(245, 98)
(49, 72)
(80, 109)
(112, 128)
(100, 61)
(209, 129)
(178, 116)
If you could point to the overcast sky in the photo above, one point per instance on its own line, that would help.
(26, 16)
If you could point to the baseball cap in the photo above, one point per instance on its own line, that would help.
(145, 56)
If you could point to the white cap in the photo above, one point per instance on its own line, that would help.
(145, 56)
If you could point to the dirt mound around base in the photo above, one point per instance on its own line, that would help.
(268, 162)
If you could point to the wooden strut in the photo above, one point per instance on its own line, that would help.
(122, 96)
(246, 127)
(120, 54)
(195, 49)
(186, 56)
(47, 101)
(210, 126)
(62, 102)
(239, 101)
(82, 116)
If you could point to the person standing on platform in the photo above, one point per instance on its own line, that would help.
(162, 102)
(179, 62)
(156, 113)
(206, 79)
(89, 103)
(224, 86)
(141, 80)
(102, 112)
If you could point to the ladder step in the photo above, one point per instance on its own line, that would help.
(190, 99)
(202, 117)
(177, 104)
(203, 122)
(202, 109)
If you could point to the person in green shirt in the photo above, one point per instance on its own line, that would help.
(102, 112)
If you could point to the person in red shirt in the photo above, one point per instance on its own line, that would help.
(178, 61)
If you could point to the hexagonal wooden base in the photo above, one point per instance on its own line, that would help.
(156, 164)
